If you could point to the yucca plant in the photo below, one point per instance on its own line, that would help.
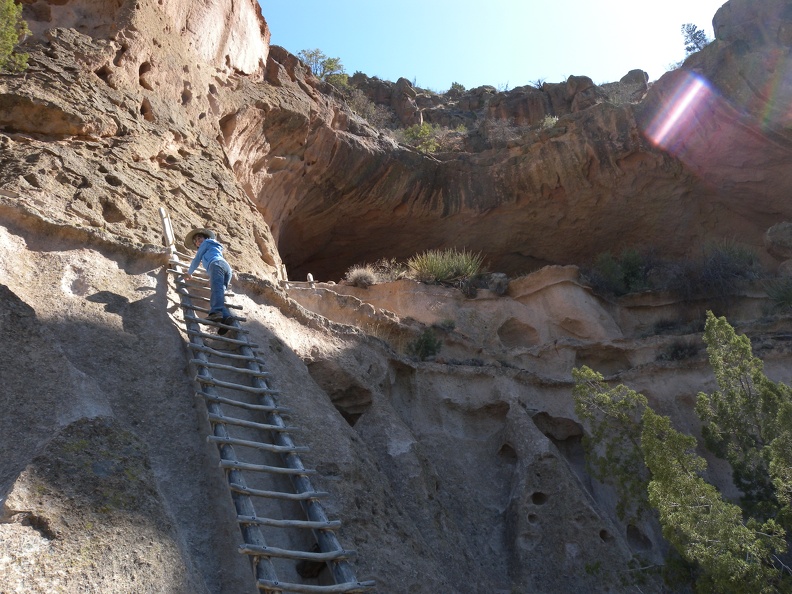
(780, 292)
(449, 266)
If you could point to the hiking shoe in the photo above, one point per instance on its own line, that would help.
(215, 316)
(227, 322)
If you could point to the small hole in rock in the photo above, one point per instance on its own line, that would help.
(605, 536)
(539, 498)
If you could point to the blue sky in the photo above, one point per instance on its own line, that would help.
(503, 43)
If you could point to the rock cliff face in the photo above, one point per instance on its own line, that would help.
(462, 474)
(602, 174)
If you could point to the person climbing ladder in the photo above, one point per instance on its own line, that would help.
(210, 254)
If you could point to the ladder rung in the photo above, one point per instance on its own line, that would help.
(277, 494)
(182, 254)
(223, 338)
(197, 282)
(243, 370)
(251, 424)
(225, 354)
(216, 324)
(196, 274)
(245, 405)
(191, 307)
(231, 386)
(203, 285)
(236, 465)
(348, 587)
(258, 550)
(329, 525)
(256, 444)
(228, 305)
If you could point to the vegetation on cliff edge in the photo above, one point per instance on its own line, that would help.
(13, 29)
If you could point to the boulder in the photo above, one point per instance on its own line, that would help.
(778, 240)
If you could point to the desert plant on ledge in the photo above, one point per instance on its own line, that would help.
(780, 292)
(361, 276)
(717, 273)
(549, 121)
(425, 346)
(421, 136)
(449, 266)
(13, 29)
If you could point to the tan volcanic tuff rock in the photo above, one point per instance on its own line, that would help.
(97, 159)
(91, 497)
(778, 240)
(458, 474)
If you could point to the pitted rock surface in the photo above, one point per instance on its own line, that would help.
(460, 473)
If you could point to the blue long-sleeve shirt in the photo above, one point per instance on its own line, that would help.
(209, 251)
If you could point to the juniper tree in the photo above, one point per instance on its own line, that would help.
(733, 554)
(695, 39)
(742, 417)
(612, 446)
(12, 28)
(320, 64)
(748, 421)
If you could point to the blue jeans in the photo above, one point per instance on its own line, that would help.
(219, 279)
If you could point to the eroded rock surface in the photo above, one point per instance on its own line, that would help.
(460, 473)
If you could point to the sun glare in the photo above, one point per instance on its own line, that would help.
(675, 119)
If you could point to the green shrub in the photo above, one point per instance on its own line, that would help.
(378, 116)
(678, 350)
(780, 292)
(717, 274)
(389, 270)
(457, 87)
(447, 324)
(422, 137)
(627, 274)
(340, 80)
(321, 65)
(721, 270)
(449, 266)
(425, 346)
(13, 28)
(361, 276)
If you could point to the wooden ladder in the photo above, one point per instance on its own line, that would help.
(244, 414)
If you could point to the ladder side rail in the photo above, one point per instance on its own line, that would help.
(242, 502)
(314, 511)
(264, 571)
(337, 589)
(326, 538)
(251, 533)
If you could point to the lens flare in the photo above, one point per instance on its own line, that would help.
(774, 101)
(675, 120)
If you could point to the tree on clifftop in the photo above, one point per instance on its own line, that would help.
(321, 65)
(695, 39)
(12, 29)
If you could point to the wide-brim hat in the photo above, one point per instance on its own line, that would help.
(188, 239)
